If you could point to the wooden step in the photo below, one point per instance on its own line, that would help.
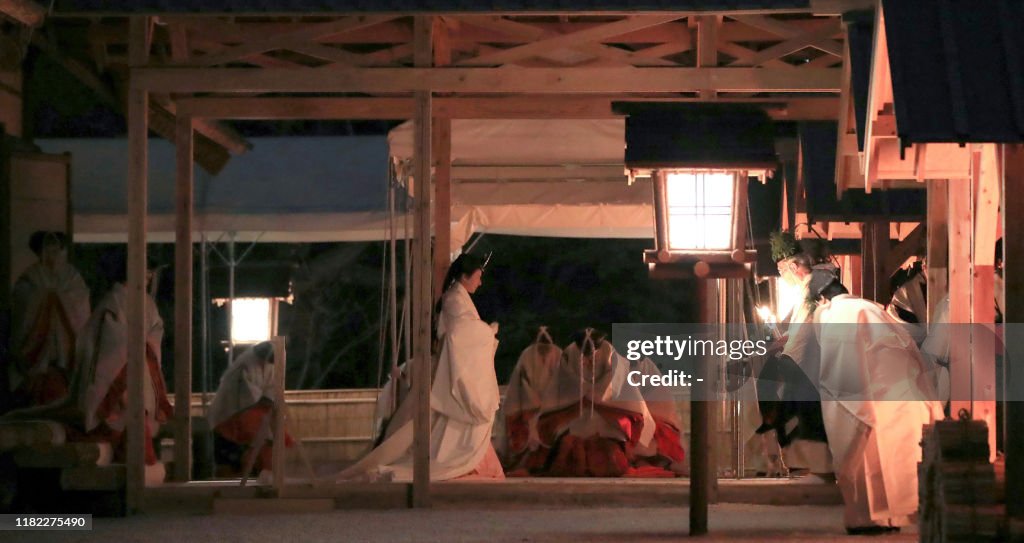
(29, 433)
(67, 455)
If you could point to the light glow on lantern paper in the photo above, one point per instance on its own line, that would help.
(699, 210)
(250, 320)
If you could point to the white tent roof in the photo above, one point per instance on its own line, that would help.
(541, 178)
(524, 142)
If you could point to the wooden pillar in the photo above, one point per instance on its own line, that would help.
(701, 465)
(938, 243)
(856, 273)
(442, 159)
(874, 260)
(707, 46)
(441, 150)
(279, 429)
(138, 106)
(183, 302)
(422, 264)
(1013, 277)
(985, 186)
(960, 277)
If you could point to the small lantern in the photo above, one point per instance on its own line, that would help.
(700, 158)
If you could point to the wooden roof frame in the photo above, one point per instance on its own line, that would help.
(885, 158)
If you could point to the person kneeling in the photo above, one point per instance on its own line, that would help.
(240, 413)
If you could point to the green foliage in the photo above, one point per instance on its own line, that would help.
(784, 245)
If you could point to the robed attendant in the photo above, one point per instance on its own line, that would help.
(50, 305)
(464, 396)
(876, 395)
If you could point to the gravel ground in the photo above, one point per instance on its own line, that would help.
(562, 524)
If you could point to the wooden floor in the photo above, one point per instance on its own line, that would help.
(228, 496)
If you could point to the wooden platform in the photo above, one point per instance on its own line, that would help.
(228, 497)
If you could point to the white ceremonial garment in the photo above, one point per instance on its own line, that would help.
(603, 382)
(464, 400)
(102, 352)
(534, 373)
(29, 299)
(243, 384)
(876, 397)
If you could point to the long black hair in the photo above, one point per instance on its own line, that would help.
(465, 264)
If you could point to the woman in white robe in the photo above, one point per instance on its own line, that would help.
(464, 396)
(876, 397)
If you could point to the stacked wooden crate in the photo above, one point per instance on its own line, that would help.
(957, 484)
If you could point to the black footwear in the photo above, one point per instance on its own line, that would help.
(873, 530)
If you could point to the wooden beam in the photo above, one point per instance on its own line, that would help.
(839, 7)
(534, 33)
(914, 244)
(792, 45)
(847, 145)
(25, 12)
(665, 49)
(341, 56)
(467, 33)
(209, 154)
(746, 56)
(504, 107)
(488, 80)
(216, 132)
(183, 303)
(938, 244)
(264, 61)
(788, 31)
(135, 428)
(422, 263)
(180, 48)
(289, 39)
(1013, 277)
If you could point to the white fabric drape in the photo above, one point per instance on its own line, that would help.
(463, 400)
(876, 397)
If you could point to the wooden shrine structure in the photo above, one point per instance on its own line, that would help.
(187, 68)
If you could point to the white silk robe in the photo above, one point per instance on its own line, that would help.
(464, 400)
(876, 397)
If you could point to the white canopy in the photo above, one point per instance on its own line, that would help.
(555, 177)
